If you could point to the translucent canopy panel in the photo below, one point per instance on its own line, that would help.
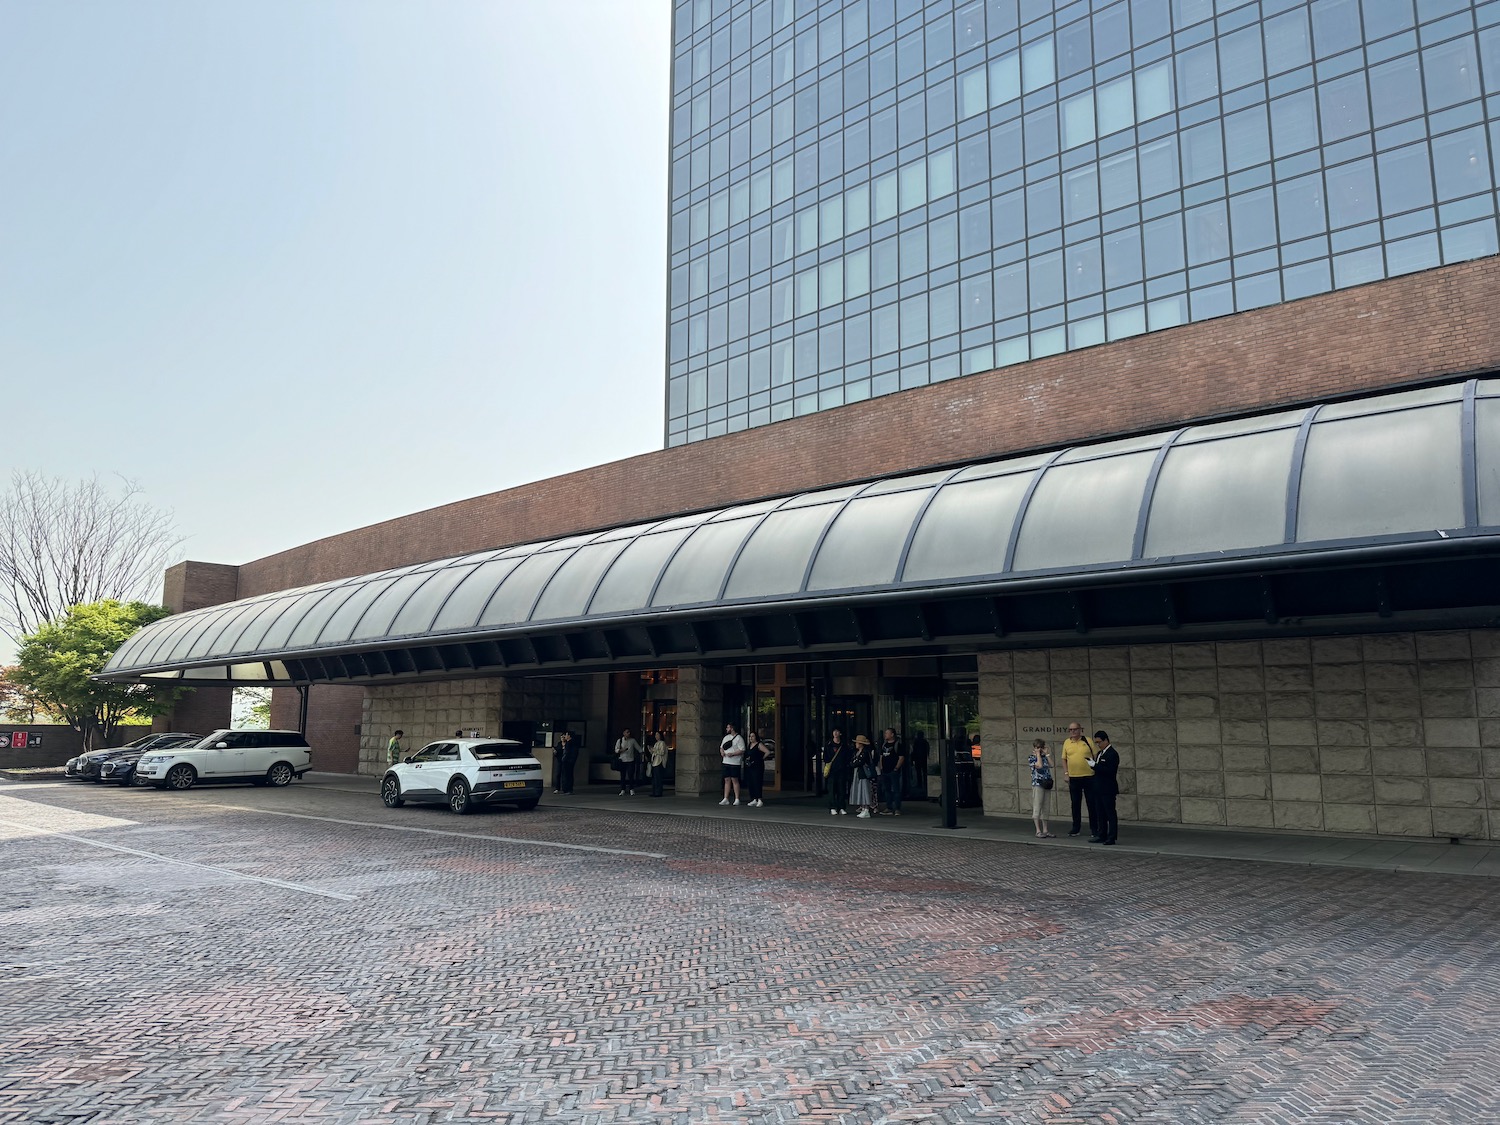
(381, 614)
(1487, 441)
(775, 559)
(464, 604)
(1084, 513)
(1221, 495)
(966, 530)
(417, 615)
(628, 584)
(696, 572)
(1382, 474)
(864, 545)
(518, 594)
(1394, 469)
(568, 594)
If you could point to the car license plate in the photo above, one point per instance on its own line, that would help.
(515, 785)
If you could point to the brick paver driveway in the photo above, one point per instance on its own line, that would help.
(349, 963)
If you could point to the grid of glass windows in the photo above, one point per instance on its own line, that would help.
(871, 195)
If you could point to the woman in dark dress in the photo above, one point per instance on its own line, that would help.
(755, 770)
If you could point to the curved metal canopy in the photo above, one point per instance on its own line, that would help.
(1410, 468)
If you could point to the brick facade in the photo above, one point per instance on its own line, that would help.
(1409, 329)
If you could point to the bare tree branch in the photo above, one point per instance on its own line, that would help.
(65, 544)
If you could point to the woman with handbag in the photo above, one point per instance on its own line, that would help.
(862, 788)
(838, 768)
(1041, 786)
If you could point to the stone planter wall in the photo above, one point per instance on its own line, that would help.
(1395, 735)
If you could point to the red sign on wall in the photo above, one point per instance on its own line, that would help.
(18, 740)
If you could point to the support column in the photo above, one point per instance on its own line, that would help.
(700, 725)
(1003, 765)
(188, 586)
(427, 712)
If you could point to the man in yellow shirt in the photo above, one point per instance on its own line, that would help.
(1077, 756)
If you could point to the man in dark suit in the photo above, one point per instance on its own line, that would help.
(1106, 786)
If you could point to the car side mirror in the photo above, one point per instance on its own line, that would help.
(406, 761)
(221, 746)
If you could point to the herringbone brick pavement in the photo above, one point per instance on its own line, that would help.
(756, 973)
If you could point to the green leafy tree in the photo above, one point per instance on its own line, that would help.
(17, 704)
(55, 662)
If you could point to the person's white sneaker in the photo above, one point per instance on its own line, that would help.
(622, 792)
(843, 812)
(864, 814)
(725, 801)
(759, 803)
(833, 812)
(736, 800)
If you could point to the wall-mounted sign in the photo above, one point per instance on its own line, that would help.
(18, 740)
(4, 740)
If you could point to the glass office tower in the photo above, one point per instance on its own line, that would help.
(872, 195)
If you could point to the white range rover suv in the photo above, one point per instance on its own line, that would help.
(465, 772)
(261, 757)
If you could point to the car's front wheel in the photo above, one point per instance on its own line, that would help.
(181, 777)
(279, 774)
(458, 797)
(390, 793)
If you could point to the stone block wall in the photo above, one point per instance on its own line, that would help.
(1391, 735)
(700, 726)
(427, 712)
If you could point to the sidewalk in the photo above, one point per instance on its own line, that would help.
(922, 819)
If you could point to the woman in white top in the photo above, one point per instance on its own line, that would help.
(628, 750)
(732, 751)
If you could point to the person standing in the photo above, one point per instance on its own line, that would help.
(658, 759)
(891, 762)
(628, 750)
(1041, 786)
(1106, 787)
(862, 788)
(838, 771)
(920, 749)
(1077, 755)
(755, 770)
(732, 752)
(393, 749)
(564, 758)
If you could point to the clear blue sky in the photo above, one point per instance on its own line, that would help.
(296, 266)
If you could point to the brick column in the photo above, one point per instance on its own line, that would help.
(188, 586)
(700, 712)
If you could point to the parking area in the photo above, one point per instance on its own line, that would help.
(242, 954)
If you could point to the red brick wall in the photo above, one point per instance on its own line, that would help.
(188, 586)
(333, 717)
(1409, 329)
(193, 585)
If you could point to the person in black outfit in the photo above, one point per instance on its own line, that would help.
(838, 760)
(564, 758)
(920, 749)
(754, 771)
(1106, 786)
(891, 762)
